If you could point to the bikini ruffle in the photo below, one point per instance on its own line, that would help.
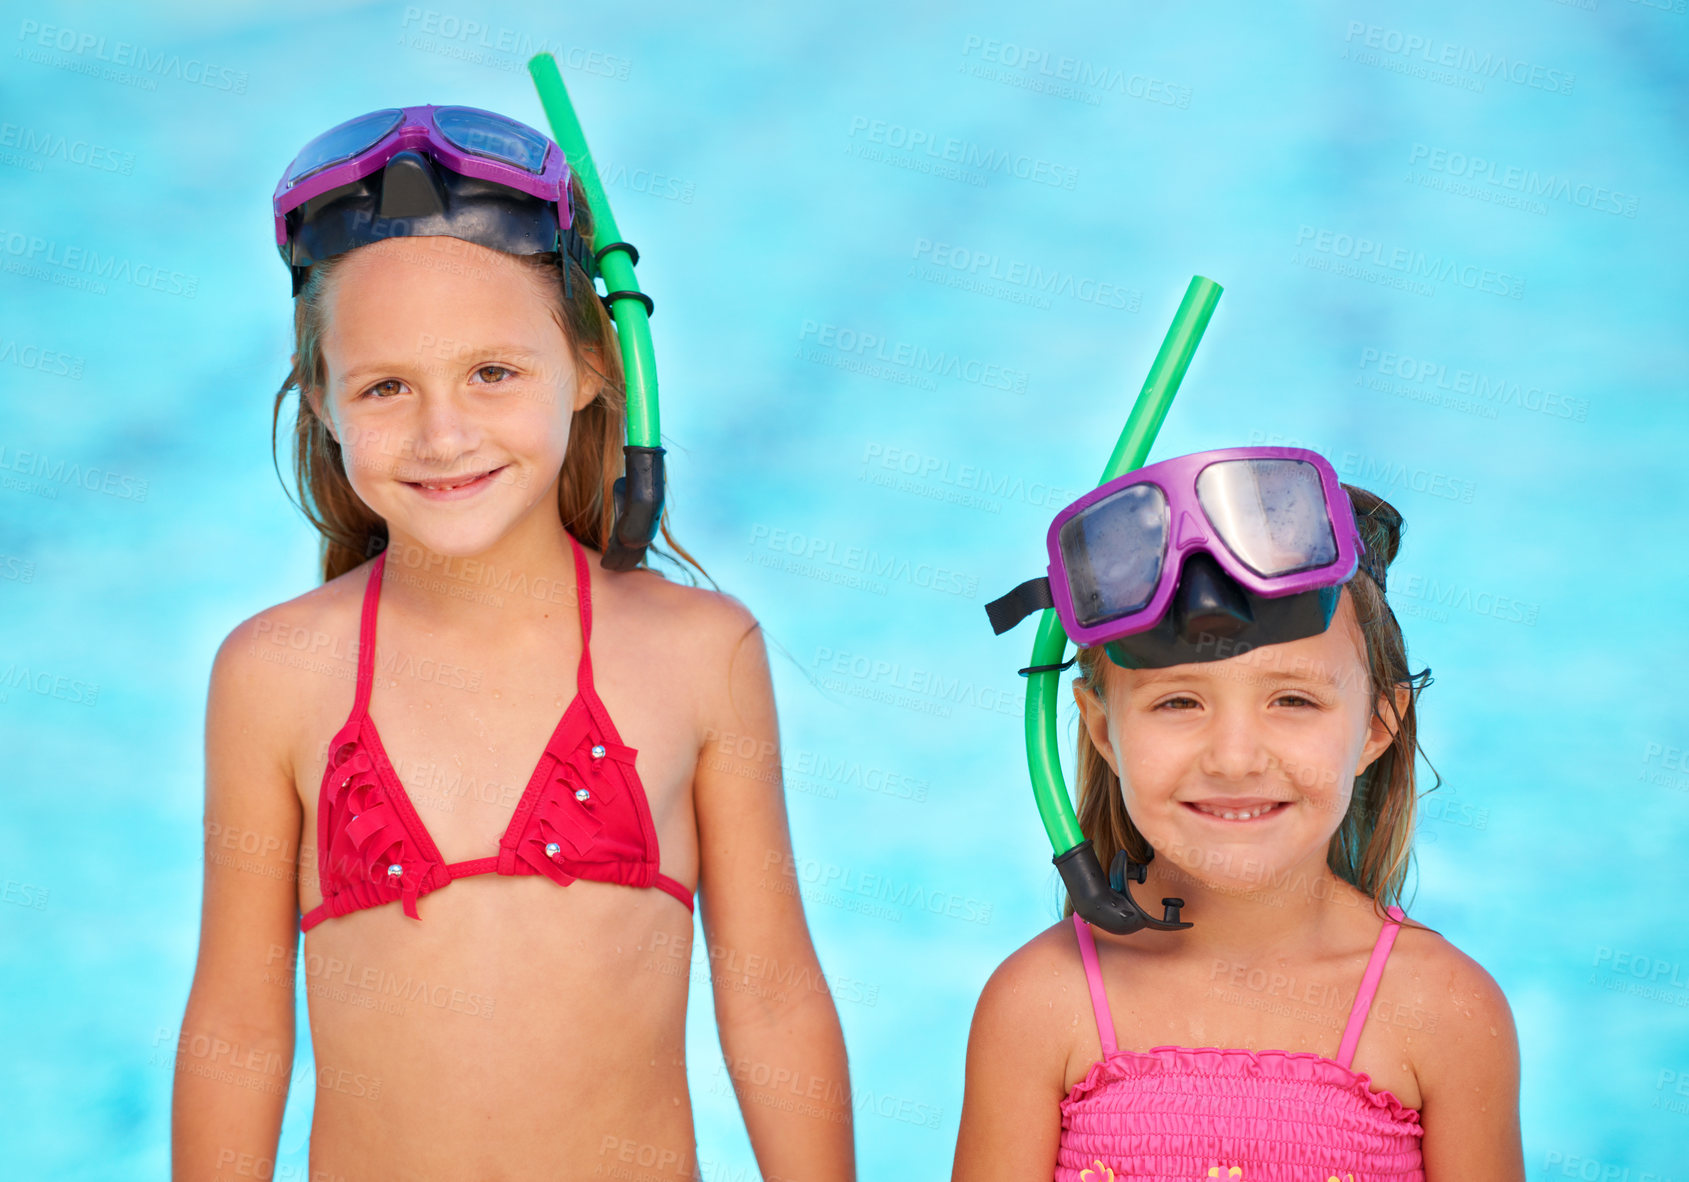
(372, 838)
(562, 817)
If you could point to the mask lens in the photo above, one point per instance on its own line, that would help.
(1270, 513)
(339, 144)
(493, 136)
(1113, 553)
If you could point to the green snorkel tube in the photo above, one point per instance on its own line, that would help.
(1106, 901)
(639, 493)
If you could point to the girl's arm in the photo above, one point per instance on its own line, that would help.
(234, 1056)
(1469, 1075)
(1011, 1102)
(779, 1029)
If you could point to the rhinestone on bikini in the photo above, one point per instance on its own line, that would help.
(551, 848)
(598, 750)
(394, 870)
(583, 795)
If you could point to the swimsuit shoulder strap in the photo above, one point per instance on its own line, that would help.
(1369, 986)
(1094, 978)
(366, 635)
(583, 600)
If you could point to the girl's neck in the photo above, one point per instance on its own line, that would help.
(1273, 913)
(528, 575)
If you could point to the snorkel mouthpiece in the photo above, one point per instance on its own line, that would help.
(638, 511)
(1108, 902)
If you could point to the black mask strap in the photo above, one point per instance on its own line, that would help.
(1031, 596)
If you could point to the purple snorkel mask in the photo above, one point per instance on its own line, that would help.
(1199, 558)
(457, 172)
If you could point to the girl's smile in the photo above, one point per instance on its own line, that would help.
(455, 488)
(1234, 812)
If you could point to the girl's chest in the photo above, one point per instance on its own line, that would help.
(1251, 1009)
(464, 739)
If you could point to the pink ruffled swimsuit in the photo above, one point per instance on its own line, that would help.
(1181, 1114)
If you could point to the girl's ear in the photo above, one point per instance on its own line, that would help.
(1095, 717)
(314, 396)
(587, 387)
(1381, 732)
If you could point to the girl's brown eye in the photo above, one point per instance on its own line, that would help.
(379, 385)
(499, 368)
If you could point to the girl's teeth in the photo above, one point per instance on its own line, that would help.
(1233, 815)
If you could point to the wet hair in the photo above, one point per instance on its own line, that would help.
(1372, 848)
(351, 532)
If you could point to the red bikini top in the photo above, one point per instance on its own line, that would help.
(583, 815)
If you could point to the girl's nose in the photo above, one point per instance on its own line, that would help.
(445, 426)
(1236, 748)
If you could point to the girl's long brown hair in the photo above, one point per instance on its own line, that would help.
(1372, 848)
(351, 533)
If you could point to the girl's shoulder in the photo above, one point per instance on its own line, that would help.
(1042, 962)
(312, 609)
(313, 622)
(288, 646)
(1458, 1012)
(1038, 999)
(1428, 969)
(269, 667)
(676, 612)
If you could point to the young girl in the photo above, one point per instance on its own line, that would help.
(468, 765)
(1302, 1028)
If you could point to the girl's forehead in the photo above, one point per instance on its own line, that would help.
(427, 290)
(432, 247)
(435, 266)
